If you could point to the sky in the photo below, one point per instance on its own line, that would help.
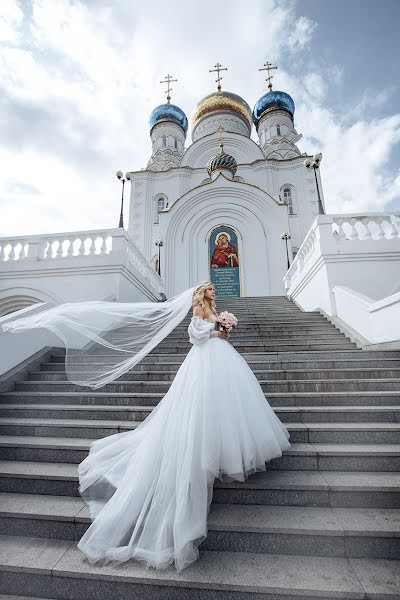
(79, 79)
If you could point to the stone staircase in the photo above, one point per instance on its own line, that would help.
(323, 521)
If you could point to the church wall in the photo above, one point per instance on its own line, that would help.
(258, 220)
(268, 176)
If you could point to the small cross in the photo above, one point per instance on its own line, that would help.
(217, 69)
(268, 67)
(221, 143)
(168, 79)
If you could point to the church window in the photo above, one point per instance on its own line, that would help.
(278, 130)
(159, 203)
(287, 195)
(164, 141)
(176, 144)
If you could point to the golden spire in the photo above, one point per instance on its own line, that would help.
(217, 68)
(268, 67)
(168, 79)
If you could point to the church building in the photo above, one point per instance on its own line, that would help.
(223, 206)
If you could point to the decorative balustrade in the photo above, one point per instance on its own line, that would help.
(303, 255)
(76, 246)
(366, 227)
(339, 231)
(140, 263)
(48, 247)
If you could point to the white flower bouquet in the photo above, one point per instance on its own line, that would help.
(226, 321)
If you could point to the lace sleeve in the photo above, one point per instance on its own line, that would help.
(200, 330)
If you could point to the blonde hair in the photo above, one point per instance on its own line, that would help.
(199, 300)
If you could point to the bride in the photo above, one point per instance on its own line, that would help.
(149, 490)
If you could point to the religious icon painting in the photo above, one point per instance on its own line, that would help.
(224, 261)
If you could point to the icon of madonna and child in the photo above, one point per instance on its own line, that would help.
(225, 253)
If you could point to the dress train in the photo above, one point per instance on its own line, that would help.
(149, 490)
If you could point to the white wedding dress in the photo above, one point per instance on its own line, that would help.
(149, 490)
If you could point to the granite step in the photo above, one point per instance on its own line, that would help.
(287, 414)
(267, 385)
(95, 428)
(62, 444)
(261, 374)
(347, 398)
(254, 357)
(346, 489)
(57, 569)
(256, 330)
(262, 365)
(260, 346)
(269, 335)
(311, 531)
(8, 597)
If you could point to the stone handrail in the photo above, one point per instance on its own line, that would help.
(15, 252)
(57, 245)
(374, 226)
(343, 228)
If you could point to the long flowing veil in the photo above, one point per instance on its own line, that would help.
(104, 339)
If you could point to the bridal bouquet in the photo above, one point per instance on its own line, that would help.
(226, 321)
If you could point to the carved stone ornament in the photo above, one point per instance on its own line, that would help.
(164, 159)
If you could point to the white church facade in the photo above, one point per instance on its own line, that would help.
(221, 204)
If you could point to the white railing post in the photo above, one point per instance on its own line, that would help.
(36, 250)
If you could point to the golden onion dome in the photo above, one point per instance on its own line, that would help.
(221, 102)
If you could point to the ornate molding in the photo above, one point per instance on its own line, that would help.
(164, 159)
(280, 148)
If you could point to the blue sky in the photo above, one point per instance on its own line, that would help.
(363, 37)
(78, 80)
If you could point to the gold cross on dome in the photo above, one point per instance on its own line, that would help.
(217, 68)
(268, 67)
(168, 79)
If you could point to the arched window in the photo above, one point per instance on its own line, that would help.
(164, 141)
(176, 143)
(287, 195)
(160, 202)
(278, 130)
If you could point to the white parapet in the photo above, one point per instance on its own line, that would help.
(377, 321)
(348, 267)
(74, 266)
(17, 347)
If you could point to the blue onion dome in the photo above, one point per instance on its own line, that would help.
(222, 161)
(168, 113)
(273, 100)
(221, 101)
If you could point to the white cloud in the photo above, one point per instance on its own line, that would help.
(301, 33)
(11, 17)
(355, 157)
(77, 89)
